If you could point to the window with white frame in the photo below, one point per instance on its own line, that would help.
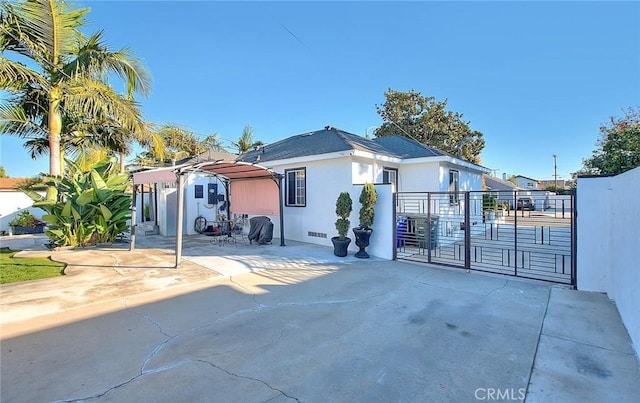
(296, 187)
(454, 186)
(390, 175)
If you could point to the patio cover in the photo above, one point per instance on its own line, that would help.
(254, 190)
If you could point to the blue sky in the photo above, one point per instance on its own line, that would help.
(537, 78)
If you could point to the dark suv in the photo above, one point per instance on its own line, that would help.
(526, 203)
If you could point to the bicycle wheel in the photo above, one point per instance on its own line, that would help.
(200, 224)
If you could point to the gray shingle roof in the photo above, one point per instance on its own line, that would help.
(331, 139)
(404, 147)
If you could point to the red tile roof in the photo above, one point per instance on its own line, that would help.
(11, 183)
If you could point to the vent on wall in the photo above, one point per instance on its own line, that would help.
(317, 234)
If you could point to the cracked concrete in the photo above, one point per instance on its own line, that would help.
(304, 329)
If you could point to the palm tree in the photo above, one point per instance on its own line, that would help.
(71, 80)
(245, 142)
(212, 142)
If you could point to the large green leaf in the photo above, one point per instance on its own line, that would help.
(85, 197)
(50, 218)
(106, 213)
(66, 210)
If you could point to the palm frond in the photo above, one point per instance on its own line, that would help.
(14, 121)
(52, 24)
(96, 100)
(93, 57)
(15, 76)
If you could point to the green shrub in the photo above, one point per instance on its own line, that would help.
(92, 206)
(344, 206)
(368, 199)
(25, 219)
(489, 202)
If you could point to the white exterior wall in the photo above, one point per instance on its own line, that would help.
(469, 180)
(325, 180)
(200, 207)
(525, 183)
(12, 203)
(419, 177)
(608, 236)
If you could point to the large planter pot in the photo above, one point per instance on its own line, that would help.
(20, 230)
(362, 241)
(340, 246)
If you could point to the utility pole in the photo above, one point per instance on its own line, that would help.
(555, 173)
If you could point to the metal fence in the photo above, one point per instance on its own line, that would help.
(525, 233)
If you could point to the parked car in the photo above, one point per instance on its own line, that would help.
(526, 203)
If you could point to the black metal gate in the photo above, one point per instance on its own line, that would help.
(525, 233)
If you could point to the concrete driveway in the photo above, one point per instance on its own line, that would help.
(297, 323)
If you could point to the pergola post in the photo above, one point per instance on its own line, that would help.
(132, 231)
(280, 197)
(180, 218)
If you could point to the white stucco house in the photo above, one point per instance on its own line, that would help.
(318, 165)
(314, 168)
(524, 182)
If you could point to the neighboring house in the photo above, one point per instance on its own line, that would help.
(524, 182)
(13, 201)
(561, 183)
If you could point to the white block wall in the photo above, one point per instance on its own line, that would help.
(608, 236)
(12, 203)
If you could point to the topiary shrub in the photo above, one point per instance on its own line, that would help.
(368, 199)
(344, 206)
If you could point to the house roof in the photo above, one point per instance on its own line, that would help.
(526, 177)
(404, 147)
(494, 183)
(331, 139)
(325, 141)
(11, 183)
(209, 156)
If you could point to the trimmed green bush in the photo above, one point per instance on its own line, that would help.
(344, 205)
(368, 199)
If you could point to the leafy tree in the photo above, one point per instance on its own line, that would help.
(427, 121)
(3, 173)
(618, 149)
(69, 87)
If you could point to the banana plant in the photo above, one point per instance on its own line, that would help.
(92, 207)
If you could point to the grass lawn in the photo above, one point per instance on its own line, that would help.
(13, 269)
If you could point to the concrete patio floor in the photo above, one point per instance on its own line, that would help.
(270, 323)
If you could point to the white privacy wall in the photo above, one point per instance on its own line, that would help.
(608, 237)
(12, 203)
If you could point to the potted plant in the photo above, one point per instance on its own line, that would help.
(368, 199)
(489, 207)
(26, 223)
(343, 210)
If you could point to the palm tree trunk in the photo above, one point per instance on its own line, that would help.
(121, 162)
(55, 127)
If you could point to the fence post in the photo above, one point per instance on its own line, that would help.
(467, 230)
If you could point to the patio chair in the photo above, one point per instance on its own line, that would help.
(236, 233)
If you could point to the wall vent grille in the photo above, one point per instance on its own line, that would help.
(317, 234)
